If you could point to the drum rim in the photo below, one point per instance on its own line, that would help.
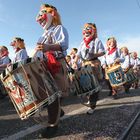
(113, 68)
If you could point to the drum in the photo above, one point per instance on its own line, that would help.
(74, 86)
(137, 71)
(86, 82)
(96, 66)
(116, 75)
(130, 76)
(30, 86)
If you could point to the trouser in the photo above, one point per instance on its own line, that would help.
(127, 86)
(62, 79)
(62, 82)
(3, 91)
(96, 67)
(113, 90)
(136, 83)
(54, 113)
(93, 100)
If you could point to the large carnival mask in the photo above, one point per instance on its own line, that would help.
(44, 18)
(89, 31)
(17, 44)
(134, 55)
(3, 51)
(14, 44)
(112, 43)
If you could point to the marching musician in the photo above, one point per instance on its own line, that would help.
(111, 57)
(4, 61)
(54, 44)
(4, 58)
(73, 54)
(90, 49)
(126, 65)
(135, 60)
(68, 59)
(19, 48)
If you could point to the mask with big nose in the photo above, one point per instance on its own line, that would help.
(44, 19)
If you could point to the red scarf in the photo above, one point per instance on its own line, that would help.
(110, 51)
(52, 64)
(17, 49)
(87, 41)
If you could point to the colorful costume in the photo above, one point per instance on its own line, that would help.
(126, 66)
(90, 49)
(4, 61)
(111, 57)
(54, 43)
(20, 50)
(135, 61)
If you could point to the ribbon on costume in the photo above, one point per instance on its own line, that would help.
(53, 64)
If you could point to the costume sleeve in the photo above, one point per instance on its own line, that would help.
(6, 60)
(132, 62)
(79, 51)
(23, 55)
(136, 63)
(61, 36)
(99, 47)
(39, 54)
(126, 62)
(122, 59)
(103, 60)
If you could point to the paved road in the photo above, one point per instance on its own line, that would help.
(107, 122)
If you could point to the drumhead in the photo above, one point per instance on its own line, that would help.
(16, 65)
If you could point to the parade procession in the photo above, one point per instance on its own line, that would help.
(38, 85)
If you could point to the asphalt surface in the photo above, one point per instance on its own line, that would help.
(109, 121)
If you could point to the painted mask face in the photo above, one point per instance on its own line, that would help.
(44, 18)
(3, 52)
(123, 53)
(134, 55)
(88, 31)
(14, 44)
(111, 43)
(18, 44)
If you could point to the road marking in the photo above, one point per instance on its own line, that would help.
(105, 90)
(34, 128)
(37, 127)
(9, 117)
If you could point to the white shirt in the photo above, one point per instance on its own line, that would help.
(135, 62)
(4, 60)
(95, 46)
(109, 59)
(21, 55)
(56, 35)
(126, 63)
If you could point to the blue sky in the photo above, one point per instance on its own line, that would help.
(118, 18)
